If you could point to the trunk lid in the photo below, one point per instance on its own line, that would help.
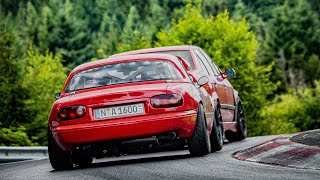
(111, 94)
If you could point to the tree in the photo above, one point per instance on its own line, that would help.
(12, 93)
(294, 38)
(28, 82)
(11, 74)
(131, 36)
(58, 27)
(215, 7)
(292, 112)
(45, 75)
(257, 14)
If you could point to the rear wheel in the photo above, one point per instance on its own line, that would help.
(241, 126)
(216, 136)
(199, 144)
(59, 159)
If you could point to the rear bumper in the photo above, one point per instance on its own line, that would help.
(182, 122)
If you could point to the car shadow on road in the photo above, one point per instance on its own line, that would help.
(136, 159)
(132, 160)
(139, 160)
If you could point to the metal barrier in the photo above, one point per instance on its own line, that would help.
(11, 154)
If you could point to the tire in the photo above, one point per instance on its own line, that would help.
(217, 135)
(59, 159)
(199, 143)
(241, 123)
(241, 126)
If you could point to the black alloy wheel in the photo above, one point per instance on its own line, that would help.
(217, 133)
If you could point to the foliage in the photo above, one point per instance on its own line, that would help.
(44, 76)
(294, 38)
(15, 136)
(292, 112)
(11, 74)
(59, 29)
(28, 82)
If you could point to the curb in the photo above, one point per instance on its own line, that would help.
(282, 152)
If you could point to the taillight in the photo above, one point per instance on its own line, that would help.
(166, 100)
(71, 112)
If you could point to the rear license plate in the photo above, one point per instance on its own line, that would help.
(117, 111)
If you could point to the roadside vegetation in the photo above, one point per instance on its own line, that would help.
(274, 46)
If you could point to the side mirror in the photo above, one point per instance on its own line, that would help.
(184, 63)
(57, 95)
(229, 73)
(202, 81)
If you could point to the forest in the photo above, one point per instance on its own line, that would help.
(274, 46)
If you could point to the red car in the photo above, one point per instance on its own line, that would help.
(129, 104)
(219, 88)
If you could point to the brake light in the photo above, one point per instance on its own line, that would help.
(166, 100)
(72, 112)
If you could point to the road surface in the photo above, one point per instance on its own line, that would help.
(164, 165)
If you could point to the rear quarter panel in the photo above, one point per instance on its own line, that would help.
(192, 96)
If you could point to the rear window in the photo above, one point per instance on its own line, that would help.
(184, 54)
(127, 72)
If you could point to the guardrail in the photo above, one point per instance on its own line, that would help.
(11, 154)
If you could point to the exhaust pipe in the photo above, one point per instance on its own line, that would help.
(169, 136)
(152, 139)
(172, 135)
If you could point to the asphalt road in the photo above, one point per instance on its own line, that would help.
(164, 165)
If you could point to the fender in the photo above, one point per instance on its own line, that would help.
(236, 97)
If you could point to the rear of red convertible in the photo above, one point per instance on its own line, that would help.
(112, 103)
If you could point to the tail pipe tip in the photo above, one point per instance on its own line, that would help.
(172, 135)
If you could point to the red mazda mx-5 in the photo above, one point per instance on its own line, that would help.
(219, 88)
(129, 104)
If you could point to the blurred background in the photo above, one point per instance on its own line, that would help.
(274, 46)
